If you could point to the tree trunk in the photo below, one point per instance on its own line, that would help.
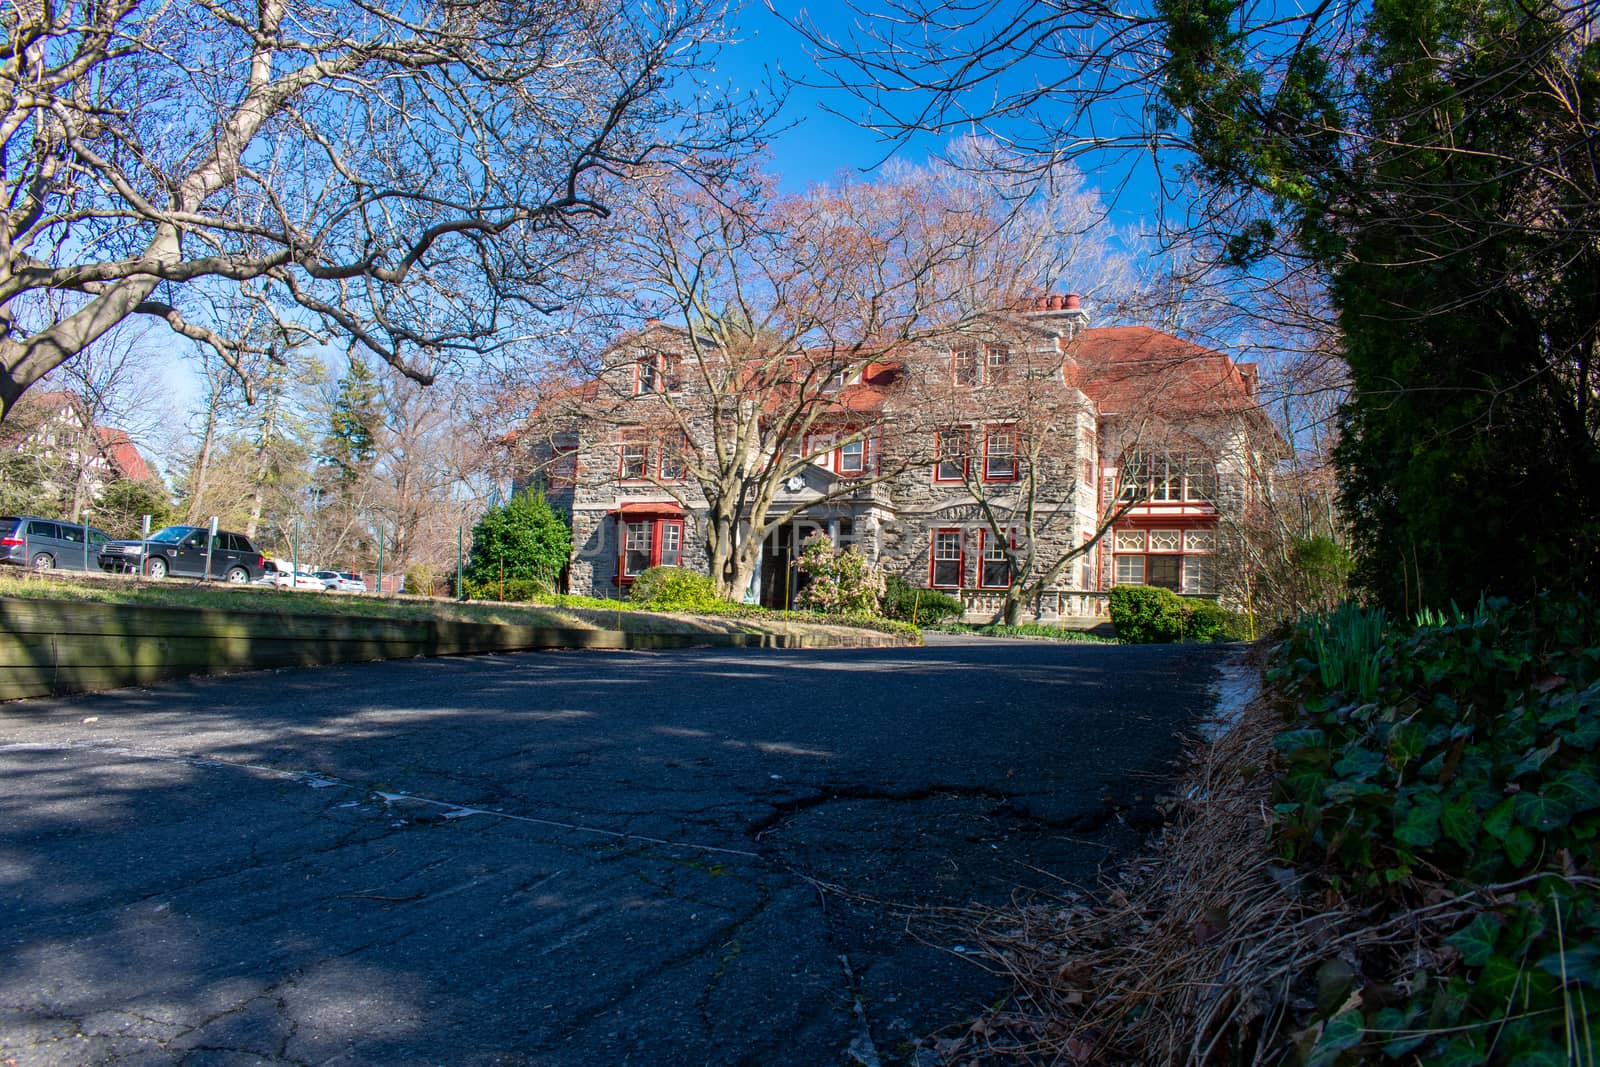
(202, 464)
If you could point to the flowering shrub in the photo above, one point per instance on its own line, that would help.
(842, 581)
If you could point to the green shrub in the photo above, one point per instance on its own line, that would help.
(1206, 620)
(420, 580)
(677, 589)
(524, 538)
(910, 603)
(513, 590)
(1143, 614)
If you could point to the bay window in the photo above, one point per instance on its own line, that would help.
(1180, 560)
(650, 542)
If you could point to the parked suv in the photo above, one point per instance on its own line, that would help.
(44, 543)
(181, 551)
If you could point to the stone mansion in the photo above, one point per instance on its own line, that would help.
(1023, 442)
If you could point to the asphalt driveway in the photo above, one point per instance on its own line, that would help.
(703, 857)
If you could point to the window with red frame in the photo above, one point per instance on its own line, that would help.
(997, 365)
(946, 563)
(658, 372)
(1000, 455)
(650, 543)
(674, 459)
(853, 457)
(635, 461)
(951, 449)
(964, 367)
(995, 570)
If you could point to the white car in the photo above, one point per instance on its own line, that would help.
(341, 582)
(278, 573)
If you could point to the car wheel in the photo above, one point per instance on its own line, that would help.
(238, 575)
(43, 561)
(156, 568)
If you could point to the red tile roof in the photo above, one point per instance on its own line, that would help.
(1126, 369)
(122, 453)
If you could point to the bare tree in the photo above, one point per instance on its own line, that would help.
(411, 178)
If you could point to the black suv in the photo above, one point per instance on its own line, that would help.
(181, 551)
(28, 541)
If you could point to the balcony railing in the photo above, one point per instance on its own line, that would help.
(1058, 605)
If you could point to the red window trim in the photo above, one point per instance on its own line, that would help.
(933, 560)
(657, 526)
(838, 460)
(977, 367)
(622, 458)
(983, 542)
(661, 460)
(1016, 469)
(966, 457)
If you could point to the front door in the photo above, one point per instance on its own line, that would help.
(190, 558)
(777, 576)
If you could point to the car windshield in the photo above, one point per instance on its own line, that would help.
(171, 535)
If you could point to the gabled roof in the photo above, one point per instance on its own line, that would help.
(1128, 369)
(122, 453)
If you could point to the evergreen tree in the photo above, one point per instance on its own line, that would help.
(351, 441)
(1434, 170)
(525, 536)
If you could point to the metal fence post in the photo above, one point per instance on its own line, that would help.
(380, 559)
(458, 563)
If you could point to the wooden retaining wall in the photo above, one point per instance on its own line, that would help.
(50, 647)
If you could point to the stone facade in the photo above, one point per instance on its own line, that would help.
(1026, 426)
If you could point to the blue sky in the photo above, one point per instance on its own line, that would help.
(814, 144)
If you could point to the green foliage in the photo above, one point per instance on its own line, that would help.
(511, 591)
(1143, 614)
(842, 582)
(1025, 629)
(1472, 755)
(122, 505)
(524, 539)
(351, 441)
(1206, 620)
(910, 603)
(1407, 170)
(22, 485)
(677, 589)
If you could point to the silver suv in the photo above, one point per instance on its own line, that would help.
(28, 541)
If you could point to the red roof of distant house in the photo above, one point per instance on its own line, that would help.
(122, 453)
(1124, 368)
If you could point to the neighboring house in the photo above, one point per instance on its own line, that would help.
(960, 464)
(78, 459)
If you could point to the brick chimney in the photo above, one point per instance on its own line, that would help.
(1062, 312)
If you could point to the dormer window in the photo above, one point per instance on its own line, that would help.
(989, 365)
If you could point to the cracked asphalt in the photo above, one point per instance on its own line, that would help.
(699, 857)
